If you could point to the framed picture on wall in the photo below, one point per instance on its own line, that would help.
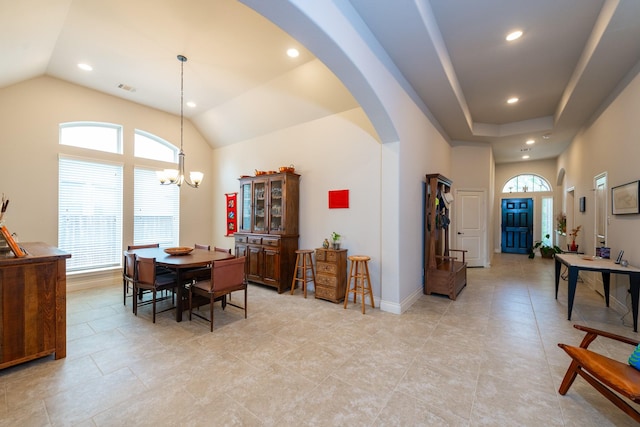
(583, 204)
(624, 198)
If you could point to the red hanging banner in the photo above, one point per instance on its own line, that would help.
(231, 213)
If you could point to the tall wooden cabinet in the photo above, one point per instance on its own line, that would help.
(33, 304)
(268, 230)
(445, 268)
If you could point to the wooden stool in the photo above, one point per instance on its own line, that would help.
(304, 263)
(359, 272)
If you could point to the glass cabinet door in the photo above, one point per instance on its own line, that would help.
(259, 206)
(245, 197)
(276, 209)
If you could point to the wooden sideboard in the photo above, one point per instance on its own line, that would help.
(270, 258)
(331, 274)
(33, 304)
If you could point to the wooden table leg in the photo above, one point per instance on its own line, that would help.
(634, 282)
(573, 279)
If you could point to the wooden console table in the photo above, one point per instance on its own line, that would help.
(575, 263)
(33, 304)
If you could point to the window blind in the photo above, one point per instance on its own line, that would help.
(156, 210)
(90, 213)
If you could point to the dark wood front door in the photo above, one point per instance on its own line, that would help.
(517, 225)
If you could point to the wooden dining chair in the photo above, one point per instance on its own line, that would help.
(226, 276)
(159, 269)
(197, 273)
(608, 376)
(217, 249)
(147, 279)
(128, 274)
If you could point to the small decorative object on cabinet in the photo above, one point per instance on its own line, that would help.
(331, 274)
(268, 231)
(335, 239)
(444, 274)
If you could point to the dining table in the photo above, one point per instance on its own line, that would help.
(180, 264)
(577, 262)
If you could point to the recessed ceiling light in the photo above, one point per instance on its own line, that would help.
(191, 104)
(85, 67)
(512, 100)
(546, 136)
(525, 157)
(293, 53)
(530, 141)
(514, 35)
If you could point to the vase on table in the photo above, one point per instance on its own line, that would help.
(573, 247)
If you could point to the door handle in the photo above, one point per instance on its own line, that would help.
(460, 232)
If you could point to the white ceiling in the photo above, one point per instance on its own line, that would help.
(452, 53)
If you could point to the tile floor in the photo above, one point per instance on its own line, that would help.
(489, 358)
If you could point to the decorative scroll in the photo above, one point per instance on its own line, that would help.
(232, 221)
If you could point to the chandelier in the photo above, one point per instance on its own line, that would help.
(176, 176)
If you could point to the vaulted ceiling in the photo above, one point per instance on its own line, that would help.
(452, 54)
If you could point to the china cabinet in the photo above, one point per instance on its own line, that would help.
(268, 230)
(445, 268)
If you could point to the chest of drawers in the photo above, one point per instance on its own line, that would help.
(331, 274)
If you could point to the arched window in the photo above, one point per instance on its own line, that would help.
(149, 146)
(526, 182)
(92, 135)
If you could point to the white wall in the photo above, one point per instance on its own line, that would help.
(334, 153)
(472, 169)
(612, 145)
(30, 113)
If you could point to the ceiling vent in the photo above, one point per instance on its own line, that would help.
(126, 87)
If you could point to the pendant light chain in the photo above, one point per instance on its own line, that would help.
(176, 176)
(182, 59)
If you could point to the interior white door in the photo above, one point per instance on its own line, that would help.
(601, 210)
(470, 226)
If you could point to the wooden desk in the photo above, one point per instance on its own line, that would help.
(33, 304)
(575, 263)
(179, 263)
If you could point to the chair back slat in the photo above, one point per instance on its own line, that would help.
(151, 245)
(130, 265)
(228, 274)
(199, 246)
(146, 270)
(225, 250)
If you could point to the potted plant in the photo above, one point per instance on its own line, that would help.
(335, 239)
(574, 234)
(562, 223)
(545, 250)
